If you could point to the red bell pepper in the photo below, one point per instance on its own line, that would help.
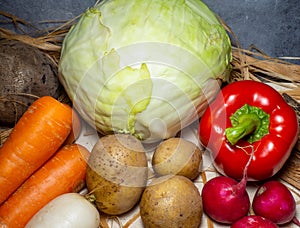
(245, 116)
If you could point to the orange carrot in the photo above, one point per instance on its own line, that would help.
(61, 174)
(38, 134)
(76, 128)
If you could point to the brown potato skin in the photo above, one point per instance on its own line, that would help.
(171, 201)
(26, 73)
(117, 173)
(177, 156)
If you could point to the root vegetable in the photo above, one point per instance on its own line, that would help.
(117, 173)
(171, 201)
(273, 200)
(63, 173)
(253, 221)
(76, 128)
(177, 156)
(35, 138)
(224, 199)
(69, 210)
(25, 73)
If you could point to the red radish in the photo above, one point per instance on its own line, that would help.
(273, 200)
(254, 221)
(224, 199)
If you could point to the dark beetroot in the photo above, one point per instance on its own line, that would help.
(274, 201)
(254, 221)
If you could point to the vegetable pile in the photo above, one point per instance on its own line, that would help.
(138, 73)
(116, 176)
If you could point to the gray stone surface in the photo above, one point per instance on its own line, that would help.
(271, 25)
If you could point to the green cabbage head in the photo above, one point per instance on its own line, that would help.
(144, 67)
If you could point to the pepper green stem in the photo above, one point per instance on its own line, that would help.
(250, 122)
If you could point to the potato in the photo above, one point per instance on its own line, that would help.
(177, 156)
(117, 173)
(171, 201)
(25, 73)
